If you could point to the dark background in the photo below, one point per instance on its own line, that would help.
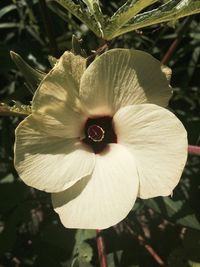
(30, 232)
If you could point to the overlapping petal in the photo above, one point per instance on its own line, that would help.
(103, 199)
(158, 142)
(123, 77)
(57, 99)
(49, 163)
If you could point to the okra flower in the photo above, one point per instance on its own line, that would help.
(99, 137)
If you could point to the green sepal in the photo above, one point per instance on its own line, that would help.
(17, 109)
(33, 77)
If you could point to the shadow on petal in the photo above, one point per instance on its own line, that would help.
(151, 79)
(62, 198)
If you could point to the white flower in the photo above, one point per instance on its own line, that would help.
(98, 138)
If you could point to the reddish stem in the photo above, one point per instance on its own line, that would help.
(181, 30)
(101, 249)
(142, 241)
(170, 51)
(194, 150)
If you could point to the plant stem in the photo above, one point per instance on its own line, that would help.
(170, 51)
(103, 47)
(48, 27)
(101, 249)
(181, 30)
(194, 150)
(150, 250)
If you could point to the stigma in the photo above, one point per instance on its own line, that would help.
(99, 132)
(96, 133)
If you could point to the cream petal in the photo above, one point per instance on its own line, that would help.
(122, 77)
(103, 199)
(158, 141)
(49, 163)
(57, 95)
(73, 127)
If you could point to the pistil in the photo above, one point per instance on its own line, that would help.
(96, 133)
(99, 133)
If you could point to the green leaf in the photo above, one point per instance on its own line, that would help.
(128, 11)
(82, 249)
(176, 211)
(7, 179)
(83, 15)
(85, 252)
(191, 245)
(8, 236)
(111, 258)
(90, 4)
(194, 264)
(6, 10)
(8, 25)
(61, 12)
(83, 235)
(95, 11)
(15, 196)
(32, 77)
(172, 10)
(80, 263)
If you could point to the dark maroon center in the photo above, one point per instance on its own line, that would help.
(99, 132)
(95, 133)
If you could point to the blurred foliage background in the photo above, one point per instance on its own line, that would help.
(158, 232)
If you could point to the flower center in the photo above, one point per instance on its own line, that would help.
(96, 133)
(99, 132)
